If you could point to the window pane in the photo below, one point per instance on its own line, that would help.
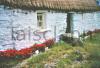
(40, 19)
(40, 24)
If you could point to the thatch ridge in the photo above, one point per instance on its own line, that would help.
(61, 5)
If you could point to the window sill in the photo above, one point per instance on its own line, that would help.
(43, 30)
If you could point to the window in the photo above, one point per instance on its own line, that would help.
(40, 20)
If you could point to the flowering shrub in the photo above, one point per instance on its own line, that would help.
(15, 53)
(8, 53)
(24, 53)
(92, 32)
(49, 43)
(40, 47)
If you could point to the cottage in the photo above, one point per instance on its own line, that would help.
(26, 22)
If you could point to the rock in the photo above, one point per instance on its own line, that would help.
(37, 52)
(46, 66)
(77, 52)
(46, 48)
(65, 56)
(51, 65)
(77, 41)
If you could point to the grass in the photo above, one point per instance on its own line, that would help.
(63, 55)
(92, 46)
(47, 57)
(9, 63)
(95, 39)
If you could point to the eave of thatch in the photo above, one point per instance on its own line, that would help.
(57, 5)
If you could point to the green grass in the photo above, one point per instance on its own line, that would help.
(65, 56)
(55, 53)
(91, 49)
(9, 63)
(94, 40)
(92, 46)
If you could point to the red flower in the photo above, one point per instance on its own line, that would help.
(8, 53)
(37, 46)
(49, 43)
(40, 47)
(27, 51)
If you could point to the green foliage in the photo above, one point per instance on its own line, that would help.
(95, 39)
(95, 64)
(9, 63)
(39, 58)
(91, 50)
(39, 65)
(60, 64)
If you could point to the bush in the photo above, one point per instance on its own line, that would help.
(26, 52)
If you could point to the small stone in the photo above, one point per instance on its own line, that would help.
(37, 52)
(46, 66)
(46, 48)
(51, 65)
(65, 56)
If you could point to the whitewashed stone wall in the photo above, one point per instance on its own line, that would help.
(26, 22)
(86, 21)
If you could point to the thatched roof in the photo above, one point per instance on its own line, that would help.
(61, 5)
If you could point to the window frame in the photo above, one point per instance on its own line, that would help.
(41, 19)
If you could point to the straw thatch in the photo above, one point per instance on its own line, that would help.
(61, 5)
